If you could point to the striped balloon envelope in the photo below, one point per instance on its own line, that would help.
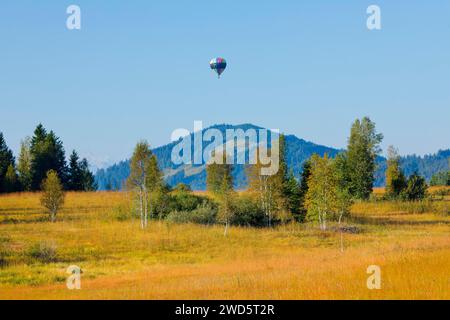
(218, 65)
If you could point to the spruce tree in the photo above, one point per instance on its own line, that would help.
(47, 153)
(303, 188)
(293, 196)
(6, 160)
(88, 179)
(75, 174)
(38, 151)
(57, 156)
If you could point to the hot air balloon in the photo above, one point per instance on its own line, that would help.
(218, 65)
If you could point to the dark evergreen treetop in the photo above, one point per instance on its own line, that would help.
(6, 160)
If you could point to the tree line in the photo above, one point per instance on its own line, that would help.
(40, 154)
(327, 187)
(325, 191)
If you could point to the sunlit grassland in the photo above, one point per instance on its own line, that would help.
(171, 261)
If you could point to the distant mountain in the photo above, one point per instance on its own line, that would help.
(297, 151)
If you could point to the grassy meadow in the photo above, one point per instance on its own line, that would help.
(409, 241)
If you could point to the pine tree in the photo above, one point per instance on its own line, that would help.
(57, 156)
(24, 164)
(75, 174)
(6, 160)
(363, 148)
(88, 179)
(47, 153)
(303, 188)
(281, 180)
(293, 196)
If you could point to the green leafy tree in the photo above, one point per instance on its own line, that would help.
(266, 189)
(321, 197)
(24, 164)
(226, 196)
(52, 197)
(395, 179)
(11, 183)
(343, 197)
(145, 178)
(363, 148)
(416, 188)
(218, 172)
(6, 160)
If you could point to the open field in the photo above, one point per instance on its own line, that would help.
(170, 261)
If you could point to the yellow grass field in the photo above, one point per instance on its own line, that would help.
(170, 261)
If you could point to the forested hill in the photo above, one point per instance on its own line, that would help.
(297, 151)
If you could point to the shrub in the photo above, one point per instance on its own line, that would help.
(185, 201)
(247, 212)
(416, 188)
(43, 251)
(205, 214)
(4, 252)
(3, 255)
(122, 212)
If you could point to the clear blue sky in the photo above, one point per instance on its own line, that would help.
(139, 69)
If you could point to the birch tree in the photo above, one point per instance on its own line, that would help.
(140, 166)
(266, 188)
(52, 194)
(321, 198)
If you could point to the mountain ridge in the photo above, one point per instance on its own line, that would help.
(297, 151)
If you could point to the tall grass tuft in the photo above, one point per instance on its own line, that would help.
(43, 251)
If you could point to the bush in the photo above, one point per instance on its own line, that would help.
(205, 214)
(43, 251)
(3, 257)
(247, 212)
(185, 201)
(123, 211)
(4, 253)
(416, 188)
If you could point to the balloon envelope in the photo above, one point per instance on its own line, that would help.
(218, 65)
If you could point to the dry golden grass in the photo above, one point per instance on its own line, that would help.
(169, 261)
